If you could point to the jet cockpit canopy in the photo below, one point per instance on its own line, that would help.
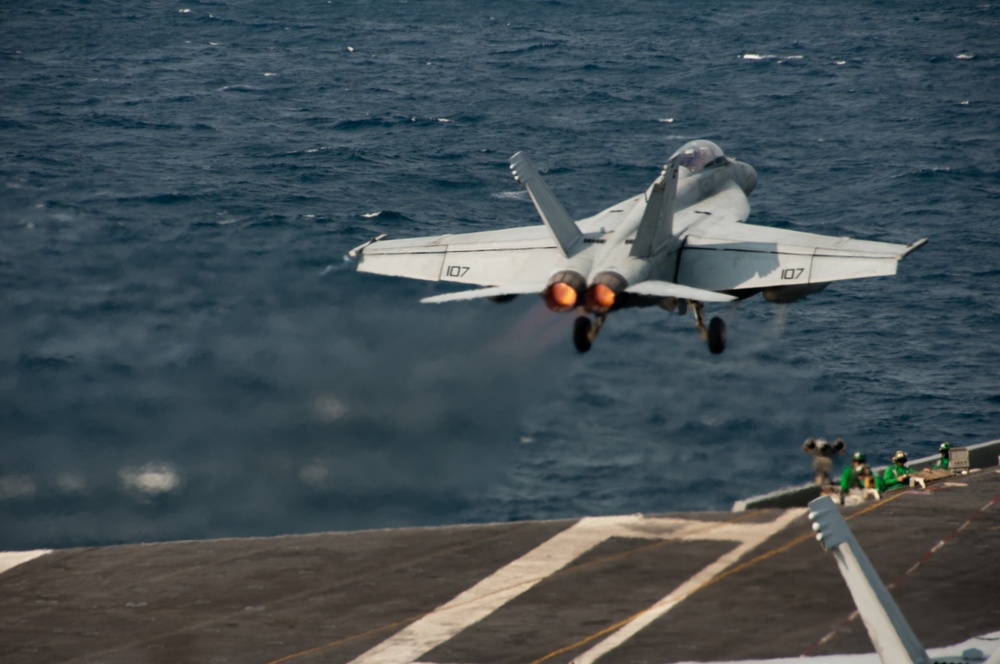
(698, 155)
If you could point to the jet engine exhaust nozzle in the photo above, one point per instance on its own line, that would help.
(600, 298)
(563, 292)
(560, 296)
(604, 291)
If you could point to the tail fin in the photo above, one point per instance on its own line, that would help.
(565, 231)
(657, 225)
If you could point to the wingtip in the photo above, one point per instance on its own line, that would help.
(913, 246)
(356, 251)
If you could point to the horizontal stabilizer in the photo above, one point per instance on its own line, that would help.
(566, 233)
(489, 291)
(669, 289)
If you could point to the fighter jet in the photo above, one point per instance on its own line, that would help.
(681, 243)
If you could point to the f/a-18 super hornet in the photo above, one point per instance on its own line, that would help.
(681, 243)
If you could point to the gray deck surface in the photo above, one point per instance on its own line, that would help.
(334, 597)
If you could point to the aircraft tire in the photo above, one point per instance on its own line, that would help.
(581, 334)
(716, 335)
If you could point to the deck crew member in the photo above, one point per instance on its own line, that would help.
(897, 476)
(856, 475)
(822, 452)
(942, 463)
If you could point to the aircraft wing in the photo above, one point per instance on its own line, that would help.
(719, 255)
(514, 256)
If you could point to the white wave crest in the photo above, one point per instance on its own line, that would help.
(151, 479)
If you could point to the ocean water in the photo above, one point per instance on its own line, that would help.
(185, 352)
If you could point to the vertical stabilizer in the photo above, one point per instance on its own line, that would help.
(657, 225)
(565, 231)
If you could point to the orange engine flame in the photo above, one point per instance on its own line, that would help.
(600, 298)
(560, 296)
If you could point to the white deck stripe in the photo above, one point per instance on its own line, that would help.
(519, 576)
(762, 532)
(11, 559)
(495, 590)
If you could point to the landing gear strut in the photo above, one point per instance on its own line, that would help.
(585, 331)
(715, 333)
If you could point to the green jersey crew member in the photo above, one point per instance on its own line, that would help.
(897, 476)
(942, 463)
(855, 474)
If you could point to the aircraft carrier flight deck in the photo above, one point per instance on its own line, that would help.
(705, 586)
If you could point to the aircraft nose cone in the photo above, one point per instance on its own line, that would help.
(746, 176)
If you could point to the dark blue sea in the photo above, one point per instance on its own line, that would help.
(185, 352)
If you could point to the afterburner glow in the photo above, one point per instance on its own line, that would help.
(600, 298)
(560, 296)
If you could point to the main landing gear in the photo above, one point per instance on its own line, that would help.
(715, 333)
(585, 331)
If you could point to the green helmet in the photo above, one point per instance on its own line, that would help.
(899, 457)
(859, 456)
(944, 447)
